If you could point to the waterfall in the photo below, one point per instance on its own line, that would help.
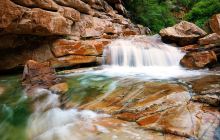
(141, 51)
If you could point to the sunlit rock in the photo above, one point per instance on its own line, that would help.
(199, 60)
(184, 33)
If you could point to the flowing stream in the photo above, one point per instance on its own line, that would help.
(44, 118)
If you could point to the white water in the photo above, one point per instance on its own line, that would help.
(142, 51)
(144, 57)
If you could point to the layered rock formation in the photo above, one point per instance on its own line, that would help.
(65, 33)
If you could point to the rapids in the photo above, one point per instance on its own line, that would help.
(46, 117)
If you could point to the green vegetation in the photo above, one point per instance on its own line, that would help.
(154, 14)
(158, 14)
(202, 11)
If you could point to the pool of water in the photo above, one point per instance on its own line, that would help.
(14, 109)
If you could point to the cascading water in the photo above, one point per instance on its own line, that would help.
(141, 51)
(144, 56)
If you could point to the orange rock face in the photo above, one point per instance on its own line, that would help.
(215, 23)
(72, 60)
(27, 25)
(64, 47)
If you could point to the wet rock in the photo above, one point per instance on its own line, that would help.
(199, 60)
(184, 33)
(213, 38)
(60, 88)
(72, 60)
(215, 23)
(39, 75)
(207, 90)
(139, 97)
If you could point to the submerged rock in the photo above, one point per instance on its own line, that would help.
(2, 89)
(199, 60)
(184, 33)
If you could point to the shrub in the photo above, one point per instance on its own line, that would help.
(202, 11)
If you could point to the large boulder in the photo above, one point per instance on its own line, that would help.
(215, 23)
(184, 33)
(199, 60)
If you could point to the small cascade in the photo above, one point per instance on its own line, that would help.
(141, 51)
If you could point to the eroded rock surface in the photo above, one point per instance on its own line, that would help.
(163, 107)
(29, 29)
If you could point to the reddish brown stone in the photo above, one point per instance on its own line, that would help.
(210, 39)
(215, 23)
(38, 75)
(199, 60)
(72, 60)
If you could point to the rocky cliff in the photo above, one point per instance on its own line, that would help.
(63, 32)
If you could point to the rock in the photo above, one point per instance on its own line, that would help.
(184, 33)
(207, 90)
(2, 89)
(128, 32)
(72, 60)
(40, 22)
(213, 38)
(64, 47)
(199, 60)
(60, 88)
(10, 12)
(43, 4)
(90, 26)
(76, 4)
(215, 23)
(70, 13)
(16, 58)
(38, 75)
(190, 48)
(160, 107)
(120, 8)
